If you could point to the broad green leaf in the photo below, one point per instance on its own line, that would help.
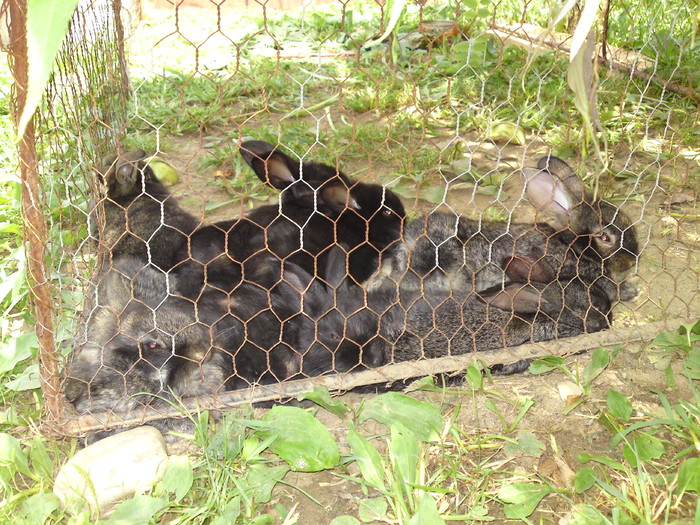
(164, 171)
(600, 359)
(322, 397)
(301, 440)
(692, 364)
(545, 364)
(16, 350)
(404, 451)
(526, 443)
(584, 480)
(37, 508)
(587, 515)
(521, 499)
(435, 193)
(178, 477)
(139, 510)
(693, 329)
(228, 440)
(474, 377)
(11, 454)
(230, 512)
(619, 405)
(264, 519)
(427, 512)
(367, 457)
(611, 423)
(345, 520)
(644, 448)
(689, 476)
(27, 380)
(671, 340)
(47, 24)
(422, 418)
(508, 132)
(42, 465)
(261, 479)
(373, 509)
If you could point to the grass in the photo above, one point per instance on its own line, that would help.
(480, 453)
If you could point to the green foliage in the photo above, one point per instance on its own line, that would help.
(391, 408)
(521, 499)
(300, 439)
(47, 23)
(600, 359)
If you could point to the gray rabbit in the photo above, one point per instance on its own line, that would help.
(140, 218)
(445, 322)
(297, 325)
(591, 240)
(139, 338)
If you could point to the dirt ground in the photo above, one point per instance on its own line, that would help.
(564, 436)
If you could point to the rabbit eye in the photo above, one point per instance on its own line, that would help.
(152, 345)
(604, 237)
(387, 212)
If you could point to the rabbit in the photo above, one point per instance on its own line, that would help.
(298, 325)
(590, 239)
(142, 219)
(453, 322)
(319, 206)
(139, 338)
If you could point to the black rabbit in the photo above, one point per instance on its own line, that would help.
(319, 207)
(591, 240)
(297, 325)
(141, 219)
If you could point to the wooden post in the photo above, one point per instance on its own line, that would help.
(35, 230)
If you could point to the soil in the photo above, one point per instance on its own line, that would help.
(564, 438)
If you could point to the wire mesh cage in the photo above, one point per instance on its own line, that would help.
(243, 202)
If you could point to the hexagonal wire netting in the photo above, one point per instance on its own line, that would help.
(204, 249)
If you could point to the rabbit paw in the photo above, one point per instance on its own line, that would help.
(629, 289)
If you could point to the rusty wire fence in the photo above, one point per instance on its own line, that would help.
(180, 279)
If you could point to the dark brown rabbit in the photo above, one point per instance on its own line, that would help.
(140, 339)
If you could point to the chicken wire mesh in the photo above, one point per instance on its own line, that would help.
(245, 202)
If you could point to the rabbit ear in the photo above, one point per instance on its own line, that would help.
(556, 166)
(528, 268)
(517, 298)
(565, 174)
(270, 165)
(337, 265)
(337, 196)
(294, 275)
(546, 192)
(122, 170)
